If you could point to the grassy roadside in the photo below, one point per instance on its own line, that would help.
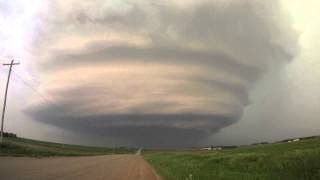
(297, 160)
(28, 147)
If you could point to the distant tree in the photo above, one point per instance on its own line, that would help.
(9, 135)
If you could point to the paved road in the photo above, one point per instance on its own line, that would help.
(111, 167)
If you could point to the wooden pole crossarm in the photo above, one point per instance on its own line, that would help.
(9, 64)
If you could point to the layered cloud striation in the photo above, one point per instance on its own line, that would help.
(155, 73)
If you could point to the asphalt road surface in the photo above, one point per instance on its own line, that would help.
(110, 167)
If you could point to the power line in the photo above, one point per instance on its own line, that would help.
(26, 83)
(48, 101)
(34, 89)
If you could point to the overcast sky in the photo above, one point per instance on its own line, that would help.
(165, 73)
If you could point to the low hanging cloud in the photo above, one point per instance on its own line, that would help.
(155, 73)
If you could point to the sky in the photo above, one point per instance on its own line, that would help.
(167, 73)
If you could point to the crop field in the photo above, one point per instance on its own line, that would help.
(28, 147)
(283, 161)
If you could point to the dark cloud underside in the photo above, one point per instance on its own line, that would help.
(153, 74)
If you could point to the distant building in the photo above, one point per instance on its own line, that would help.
(214, 148)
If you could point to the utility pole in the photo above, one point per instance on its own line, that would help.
(63, 142)
(5, 97)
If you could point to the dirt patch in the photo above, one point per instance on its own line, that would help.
(110, 167)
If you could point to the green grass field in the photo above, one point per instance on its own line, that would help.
(27, 147)
(283, 161)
